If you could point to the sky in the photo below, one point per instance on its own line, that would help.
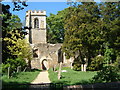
(50, 7)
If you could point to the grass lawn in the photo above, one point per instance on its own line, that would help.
(20, 78)
(71, 77)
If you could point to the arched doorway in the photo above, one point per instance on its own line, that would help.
(45, 64)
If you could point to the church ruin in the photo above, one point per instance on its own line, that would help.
(45, 55)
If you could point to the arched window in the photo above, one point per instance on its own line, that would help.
(36, 23)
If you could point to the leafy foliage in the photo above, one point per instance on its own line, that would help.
(55, 27)
(89, 27)
(108, 56)
(81, 30)
(13, 64)
(107, 74)
(96, 63)
(9, 23)
(18, 47)
(77, 64)
(19, 5)
(117, 62)
(77, 67)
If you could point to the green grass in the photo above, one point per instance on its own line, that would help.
(72, 77)
(20, 78)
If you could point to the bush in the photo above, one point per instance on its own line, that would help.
(107, 74)
(77, 67)
(117, 62)
(96, 63)
(13, 64)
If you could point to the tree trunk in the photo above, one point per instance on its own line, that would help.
(29, 65)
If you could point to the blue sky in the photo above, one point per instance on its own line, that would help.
(50, 7)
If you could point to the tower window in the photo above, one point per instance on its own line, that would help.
(36, 23)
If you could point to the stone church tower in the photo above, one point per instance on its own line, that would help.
(37, 21)
(45, 55)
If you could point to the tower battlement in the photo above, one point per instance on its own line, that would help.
(36, 12)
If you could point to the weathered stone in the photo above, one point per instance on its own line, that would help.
(45, 55)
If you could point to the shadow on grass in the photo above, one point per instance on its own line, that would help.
(27, 86)
(33, 70)
(66, 83)
(83, 82)
(14, 85)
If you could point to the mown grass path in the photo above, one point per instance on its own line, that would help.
(42, 78)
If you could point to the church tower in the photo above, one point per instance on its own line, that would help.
(37, 21)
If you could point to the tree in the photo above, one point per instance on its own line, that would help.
(18, 47)
(88, 27)
(80, 27)
(18, 4)
(55, 27)
(110, 17)
(10, 22)
(14, 44)
(107, 74)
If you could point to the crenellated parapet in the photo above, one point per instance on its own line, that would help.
(36, 12)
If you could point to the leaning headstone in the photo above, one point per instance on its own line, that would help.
(59, 72)
(18, 68)
(82, 68)
(25, 69)
(85, 65)
(8, 72)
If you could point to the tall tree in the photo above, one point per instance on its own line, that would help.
(111, 28)
(89, 27)
(18, 47)
(55, 27)
(80, 26)
(9, 23)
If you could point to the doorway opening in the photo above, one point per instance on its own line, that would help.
(44, 64)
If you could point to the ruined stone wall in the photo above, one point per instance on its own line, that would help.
(35, 64)
(48, 52)
(36, 36)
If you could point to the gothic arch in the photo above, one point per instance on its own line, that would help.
(36, 23)
(45, 63)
